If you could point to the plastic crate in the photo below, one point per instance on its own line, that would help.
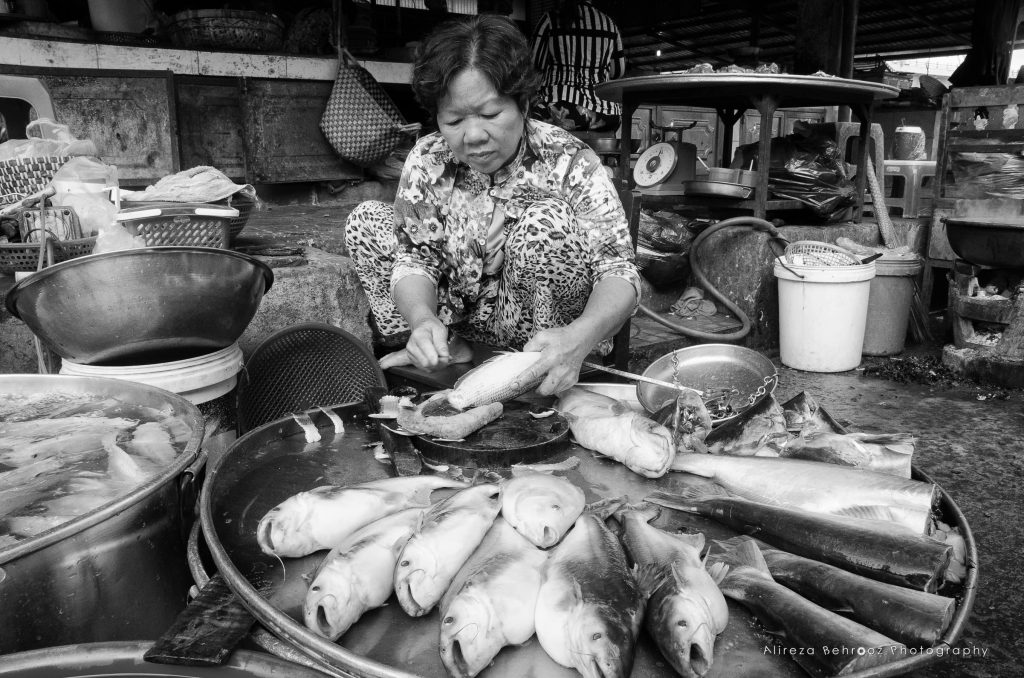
(178, 223)
(24, 257)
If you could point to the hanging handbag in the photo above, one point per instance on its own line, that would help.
(361, 122)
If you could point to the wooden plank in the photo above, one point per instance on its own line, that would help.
(996, 95)
(283, 141)
(210, 124)
(131, 118)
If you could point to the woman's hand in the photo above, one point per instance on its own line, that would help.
(428, 344)
(562, 356)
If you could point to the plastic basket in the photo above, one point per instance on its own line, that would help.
(183, 224)
(21, 177)
(24, 257)
(245, 205)
(814, 253)
(227, 29)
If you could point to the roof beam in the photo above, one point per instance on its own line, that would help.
(920, 18)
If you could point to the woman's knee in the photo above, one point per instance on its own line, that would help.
(370, 223)
(549, 220)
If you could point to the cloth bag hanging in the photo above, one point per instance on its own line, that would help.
(361, 122)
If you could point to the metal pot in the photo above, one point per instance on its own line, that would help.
(726, 175)
(118, 572)
(987, 241)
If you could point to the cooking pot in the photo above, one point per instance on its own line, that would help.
(987, 241)
(726, 175)
(118, 572)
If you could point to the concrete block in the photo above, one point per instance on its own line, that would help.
(984, 366)
(325, 290)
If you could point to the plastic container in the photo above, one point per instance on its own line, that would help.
(120, 16)
(198, 379)
(909, 144)
(892, 293)
(823, 315)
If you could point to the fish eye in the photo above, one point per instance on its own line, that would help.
(682, 622)
(449, 620)
(404, 563)
(315, 588)
(596, 636)
(556, 507)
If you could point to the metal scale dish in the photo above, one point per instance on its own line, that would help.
(274, 461)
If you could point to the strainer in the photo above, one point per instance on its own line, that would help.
(814, 253)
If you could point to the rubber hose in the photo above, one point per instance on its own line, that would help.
(702, 280)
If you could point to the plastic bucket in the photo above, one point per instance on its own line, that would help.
(822, 315)
(892, 293)
(198, 379)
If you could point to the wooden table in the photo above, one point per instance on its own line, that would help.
(731, 94)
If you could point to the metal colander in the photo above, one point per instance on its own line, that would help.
(301, 367)
(814, 253)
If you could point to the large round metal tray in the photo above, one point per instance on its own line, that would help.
(745, 376)
(274, 461)
(987, 241)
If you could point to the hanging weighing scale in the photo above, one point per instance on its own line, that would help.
(663, 167)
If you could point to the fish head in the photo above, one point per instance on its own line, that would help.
(653, 448)
(416, 577)
(331, 605)
(683, 629)
(545, 510)
(468, 640)
(284, 530)
(601, 645)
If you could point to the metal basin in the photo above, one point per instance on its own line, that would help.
(142, 306)
(742, 376)
(987, 241)
(117, 572)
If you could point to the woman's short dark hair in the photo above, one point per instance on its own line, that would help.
(492, 44)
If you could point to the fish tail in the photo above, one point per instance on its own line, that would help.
(604, 508)
(646, 509)
(742, 552)
(717, 570)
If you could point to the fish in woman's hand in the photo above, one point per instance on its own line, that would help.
(612, 429)
(326, 516)
(685, 609)
(877, 549)
(448, 534)
(819, 488)
(358, 575)
(540, 506)
(590, 607)
(498, 379)
(492, 601)
(823, 643)
(884, 453)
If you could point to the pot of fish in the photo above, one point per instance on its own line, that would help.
(98, 480)
(302, 461)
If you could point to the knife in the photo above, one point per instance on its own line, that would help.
(639, 377)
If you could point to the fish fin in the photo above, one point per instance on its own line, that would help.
(742, 552)
(694, 539)
(648, 510)
(717, 571)
(876, 512)
(649, 577)
(606, 507)
(687, 499)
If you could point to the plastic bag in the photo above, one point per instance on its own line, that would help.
(46, 138)
(94, 211)
(664, 233)
(113, 237)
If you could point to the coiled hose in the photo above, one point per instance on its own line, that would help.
(702, 280)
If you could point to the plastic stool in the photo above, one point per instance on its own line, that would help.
(847, 134)
(909, 194)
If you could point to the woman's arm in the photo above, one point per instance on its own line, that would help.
(416, 299)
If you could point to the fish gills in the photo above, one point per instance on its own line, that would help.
(501, 378)
(685, 609)
(833, 645)
(875, 549)
(358, 575)
(818, 487)
(492, 601)
(541, 507)
(448, 534)
(324, 517)
(915, 618)
(590, 607)
(609, 428)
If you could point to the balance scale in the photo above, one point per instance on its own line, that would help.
(663, 167)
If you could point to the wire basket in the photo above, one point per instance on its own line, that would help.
(227, 29)
(21, 177)
(814, 253)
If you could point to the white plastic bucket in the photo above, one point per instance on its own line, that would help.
(892, 293)
(822, 315)
(198, 379)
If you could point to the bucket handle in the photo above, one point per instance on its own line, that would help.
(188, 489)
(779, 250)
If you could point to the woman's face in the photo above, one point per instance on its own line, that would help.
(482, 127)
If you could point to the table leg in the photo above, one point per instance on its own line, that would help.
(629, 106)
(766, 105)
(863, 113)
(727, 118)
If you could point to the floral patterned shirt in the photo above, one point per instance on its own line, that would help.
(444, 209)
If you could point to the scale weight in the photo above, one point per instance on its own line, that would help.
(663, 167)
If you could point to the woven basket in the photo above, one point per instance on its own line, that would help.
(24, 257)
(227, 29)
(21, 177)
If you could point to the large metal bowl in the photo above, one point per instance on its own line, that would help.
(142, 306)
(987, 241)
(741, 375)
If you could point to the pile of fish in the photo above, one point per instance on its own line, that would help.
(63, 455)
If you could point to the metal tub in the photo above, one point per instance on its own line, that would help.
(118, 572)
(273, 462)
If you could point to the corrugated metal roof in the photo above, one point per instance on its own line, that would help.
(688, 32)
